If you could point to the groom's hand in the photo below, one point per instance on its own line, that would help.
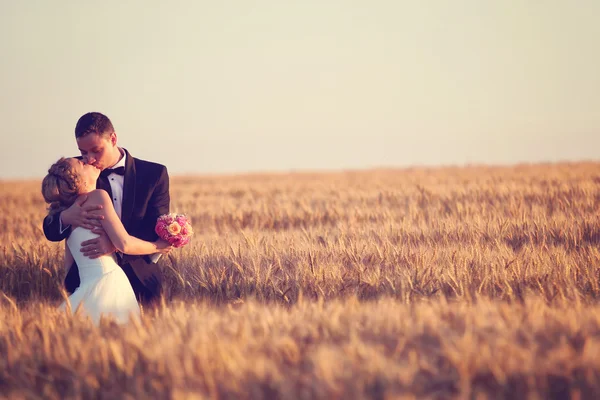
(99, 246)
(79, 214)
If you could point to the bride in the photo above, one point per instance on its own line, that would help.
(104, 287)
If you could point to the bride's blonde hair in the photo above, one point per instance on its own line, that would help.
(61, 186)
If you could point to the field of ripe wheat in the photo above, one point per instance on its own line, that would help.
(412, 283)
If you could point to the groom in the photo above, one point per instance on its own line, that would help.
(140, 193)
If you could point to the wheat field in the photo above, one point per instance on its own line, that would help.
(455, 282)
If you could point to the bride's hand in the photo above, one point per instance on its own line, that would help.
(163, 247)
(79, 214)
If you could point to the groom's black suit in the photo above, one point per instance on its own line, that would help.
(145, 198)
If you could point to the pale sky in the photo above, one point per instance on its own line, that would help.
(213, 87)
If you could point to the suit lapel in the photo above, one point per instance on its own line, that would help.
(128, 190)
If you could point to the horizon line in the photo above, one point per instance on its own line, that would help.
(309, 170)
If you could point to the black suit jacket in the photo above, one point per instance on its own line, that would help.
(145, 198)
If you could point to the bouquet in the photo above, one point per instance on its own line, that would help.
(174, 228)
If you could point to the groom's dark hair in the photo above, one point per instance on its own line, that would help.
(93, 122)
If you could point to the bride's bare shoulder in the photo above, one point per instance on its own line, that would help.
(98, 196)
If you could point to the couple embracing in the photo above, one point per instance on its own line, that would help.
(106, 203)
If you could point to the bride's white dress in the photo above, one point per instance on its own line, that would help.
(104, 288)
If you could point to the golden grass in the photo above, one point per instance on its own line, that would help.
(420, 282)
(338, 349)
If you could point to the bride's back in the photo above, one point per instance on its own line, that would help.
(89, 267)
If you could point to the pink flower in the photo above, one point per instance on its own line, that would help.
(174, 228)
(176, 241)
(161, 228)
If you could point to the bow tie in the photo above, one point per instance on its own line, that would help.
(119, 171)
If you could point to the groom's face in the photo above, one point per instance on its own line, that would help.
(99, 150)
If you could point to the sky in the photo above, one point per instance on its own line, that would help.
(238, 86)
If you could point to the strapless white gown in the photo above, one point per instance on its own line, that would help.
(104, 288)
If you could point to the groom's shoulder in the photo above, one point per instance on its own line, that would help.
(149, 168)
(139, 163)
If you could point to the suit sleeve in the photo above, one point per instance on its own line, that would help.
(51, 228)
(159, 202)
